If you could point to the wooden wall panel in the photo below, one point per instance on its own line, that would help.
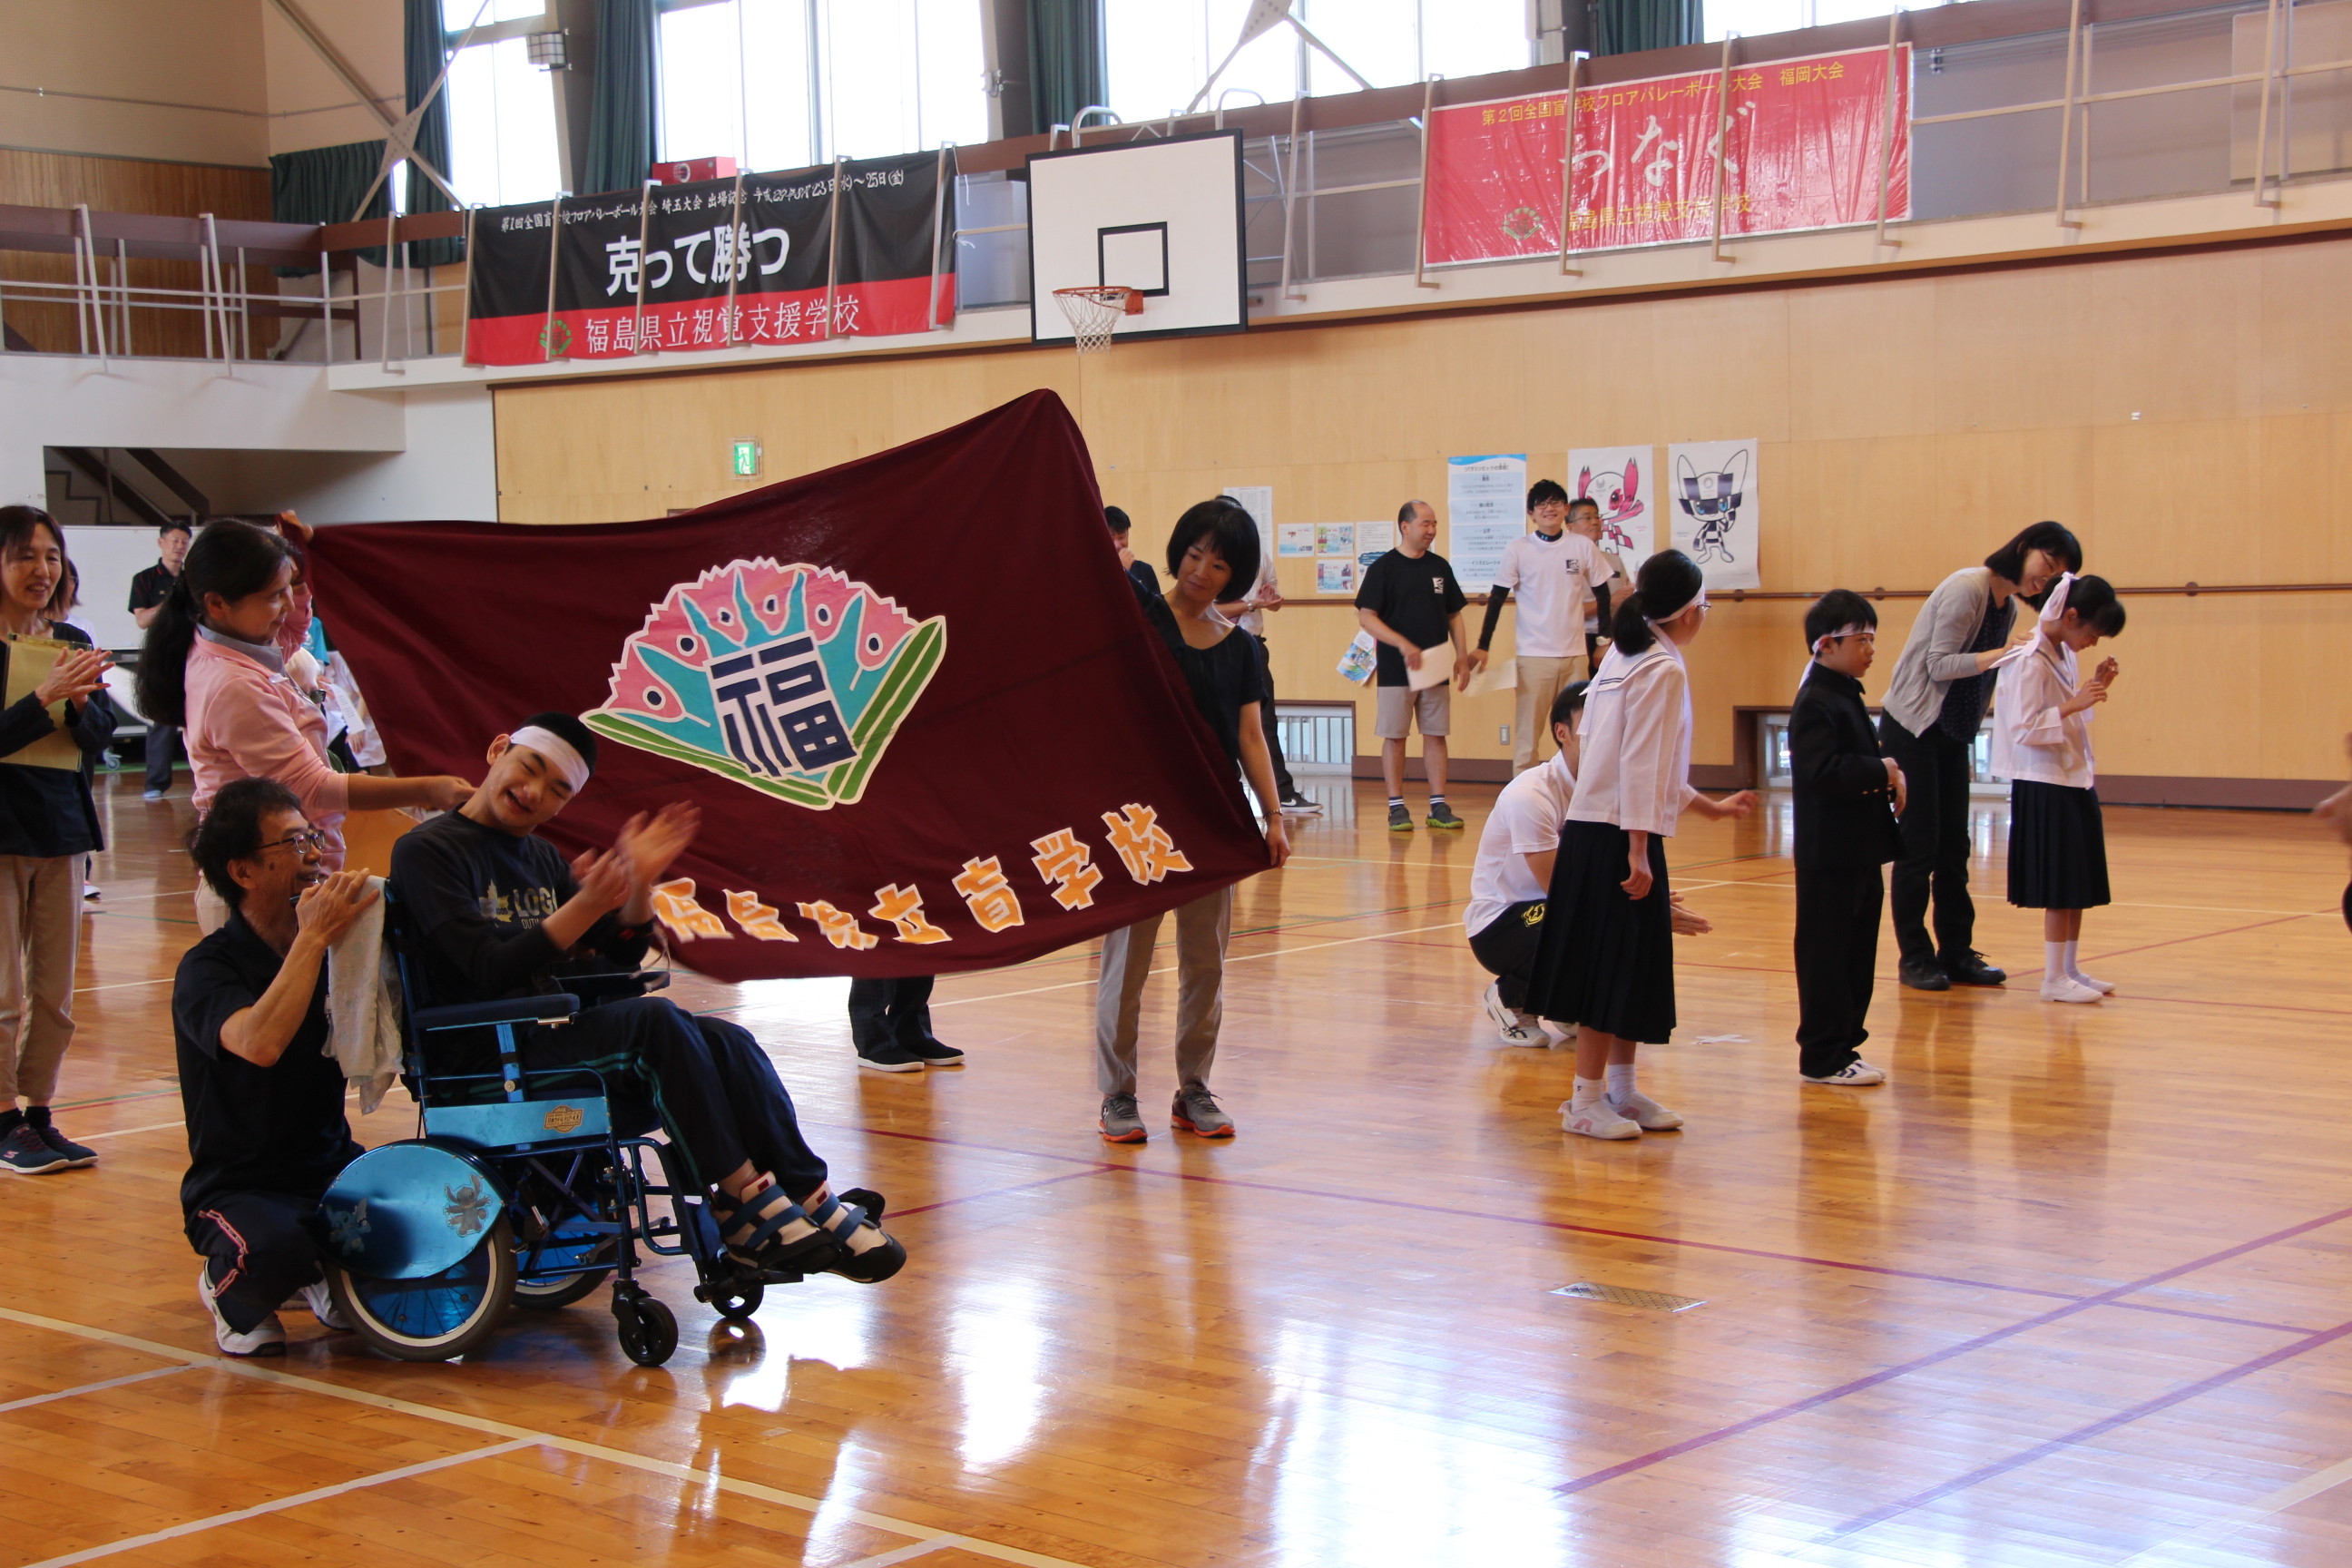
(1908, 426)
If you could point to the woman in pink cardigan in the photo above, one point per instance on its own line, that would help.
(210, 666)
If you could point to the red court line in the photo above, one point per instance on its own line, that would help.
(2082, 1435)
(1934, 1358)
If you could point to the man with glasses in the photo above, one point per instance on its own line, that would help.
(1554, 571)
(262, 1098)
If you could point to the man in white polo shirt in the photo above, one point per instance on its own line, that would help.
(1553, 572)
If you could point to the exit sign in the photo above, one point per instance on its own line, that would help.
(747, 459)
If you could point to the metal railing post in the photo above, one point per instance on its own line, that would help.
(86, 292)
(1723, 139)
(207, 275)
(244, 306)
(327, 307)
(465, 300)
(742, 243)
(554, 248)
(1421, 215)
(1568, 174)
(1886, 131)
(939, 203)
(644, 221)
(2262, 125)
(391, 262)
(2082, 152)
(2067, 108)
(832, 245)
(122, 292)
(1290, 198)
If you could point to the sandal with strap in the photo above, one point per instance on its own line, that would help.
(838, 1220)
(750, 1229)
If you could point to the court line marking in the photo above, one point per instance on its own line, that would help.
(1932, 1357)
(2082, 1435)
(907, 1553)
(300, 1500)
(124, 984)
(92, 1387)
(127, 1132)
(526, 1436)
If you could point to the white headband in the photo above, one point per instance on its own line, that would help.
(557, 752)
(1851, 629)
(2054, 610)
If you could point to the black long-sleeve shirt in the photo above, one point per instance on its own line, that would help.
(1844, 805)
(46, 811)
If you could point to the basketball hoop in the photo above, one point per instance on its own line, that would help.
(1094, 312)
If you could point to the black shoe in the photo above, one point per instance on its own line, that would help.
(1399, 819)
(932, 1054)
(1970, 968)
(1925, 974)
(888, 1056)
(1441, 816)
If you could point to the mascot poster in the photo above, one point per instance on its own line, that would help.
(1621, 482)
(1709, 492)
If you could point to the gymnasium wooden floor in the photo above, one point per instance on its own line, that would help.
(2073, 1290)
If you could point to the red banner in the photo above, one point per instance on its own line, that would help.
(1807, 139)
(895, 776)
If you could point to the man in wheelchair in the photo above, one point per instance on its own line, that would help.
(497, 913)
(263, 1101)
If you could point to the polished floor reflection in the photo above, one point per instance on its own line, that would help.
(2071, 1290)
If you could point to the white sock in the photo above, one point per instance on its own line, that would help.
(2054, 961)
(1588, 1089)
(1620, 1079)
(2075, 958)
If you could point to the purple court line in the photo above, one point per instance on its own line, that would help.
(1099, 1165)
(997, 1192)
(1934, 1358)
(2082, 1435)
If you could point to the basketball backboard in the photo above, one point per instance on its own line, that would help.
(1161, 216)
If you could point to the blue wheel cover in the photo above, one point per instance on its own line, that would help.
(408, 1210)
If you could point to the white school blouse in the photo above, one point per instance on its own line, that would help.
(1635, 772)
(2030, 740)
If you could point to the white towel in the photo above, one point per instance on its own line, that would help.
(364, 1006)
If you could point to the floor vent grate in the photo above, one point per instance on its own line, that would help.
(1618, 1295)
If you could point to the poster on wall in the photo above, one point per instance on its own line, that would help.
(1258, 501)
(1335, 539)
(1620, 481)
(1711, 489)
(1335, 577)
(1486, 506)
(1294, 539)
(1808, 137)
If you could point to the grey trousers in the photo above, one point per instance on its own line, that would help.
(40, 928)
(1203, 927)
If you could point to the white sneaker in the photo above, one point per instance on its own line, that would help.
(267, 1337)
(1856, 1074)
(1513, 1026)
(1598, 1120)
(2066, 988)
(2103, 988)
(1646, 1113)
(320, 1300)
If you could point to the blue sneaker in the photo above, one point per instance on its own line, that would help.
(77, 1155)
(25, 1152)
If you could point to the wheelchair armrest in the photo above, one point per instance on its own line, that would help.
(595, 988)
(555, 1007)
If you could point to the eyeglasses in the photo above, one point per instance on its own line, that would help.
(309, 841)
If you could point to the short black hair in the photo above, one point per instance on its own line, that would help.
(231, 831)
(1838, 607)
(1116, 519)
(1583, 500)
(566, 728)
(1229, 530)
(2053, 538)
(2094, 600)
(1568, 703)
(1543, 490)
(174, 525)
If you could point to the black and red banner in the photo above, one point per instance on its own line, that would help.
(896, 777)
(646, 272)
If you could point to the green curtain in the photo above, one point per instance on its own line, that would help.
(426, 48)
(1067, 68)
(623, 105)
(323, 185)
(1629, 27)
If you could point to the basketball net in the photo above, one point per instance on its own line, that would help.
(1094, 311)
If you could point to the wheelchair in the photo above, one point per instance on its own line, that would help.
(519, 1191)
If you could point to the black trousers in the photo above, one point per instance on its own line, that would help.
(1282, 784)
(1935, 859)
(706, 1080)
(897, 1011)
(1507, 950)
(163, 740)
(259, 1249)
(1837, 948)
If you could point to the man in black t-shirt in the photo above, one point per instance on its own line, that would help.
(262, 1099)
(498, 913)
(1410, 601)
(147, 590)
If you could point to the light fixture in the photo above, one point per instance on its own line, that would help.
(547, 50)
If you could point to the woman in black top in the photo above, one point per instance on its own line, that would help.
(48, 823)
(1215, 545)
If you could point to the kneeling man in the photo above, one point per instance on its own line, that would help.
(263, 1100)
(498, 913)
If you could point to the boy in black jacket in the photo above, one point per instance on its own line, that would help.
(1847, 798)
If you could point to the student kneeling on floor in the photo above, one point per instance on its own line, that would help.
(1513, 872)
(263, 1098)
(498, 914)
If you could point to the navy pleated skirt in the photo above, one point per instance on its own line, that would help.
(2057, 847)
(1605, 959)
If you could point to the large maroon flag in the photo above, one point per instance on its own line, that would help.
(927, 726)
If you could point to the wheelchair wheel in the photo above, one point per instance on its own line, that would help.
(439, 1317)
(548, 1295)
(648, 1330)
(738, 1301)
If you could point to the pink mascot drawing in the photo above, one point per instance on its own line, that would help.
(1619, 496)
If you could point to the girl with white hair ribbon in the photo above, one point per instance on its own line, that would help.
(2042, 741)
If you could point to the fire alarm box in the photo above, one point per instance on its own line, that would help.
(686, 171)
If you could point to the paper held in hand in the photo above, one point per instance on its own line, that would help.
(1499, 675)
(1436, 668)
(30, 660)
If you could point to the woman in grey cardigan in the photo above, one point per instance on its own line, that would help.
(1935, 702)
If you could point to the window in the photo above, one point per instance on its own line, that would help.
(502, 148)
(782, 84)
(1753, 18)
(1160, 51)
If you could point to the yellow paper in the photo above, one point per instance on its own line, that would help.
(30, 660)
